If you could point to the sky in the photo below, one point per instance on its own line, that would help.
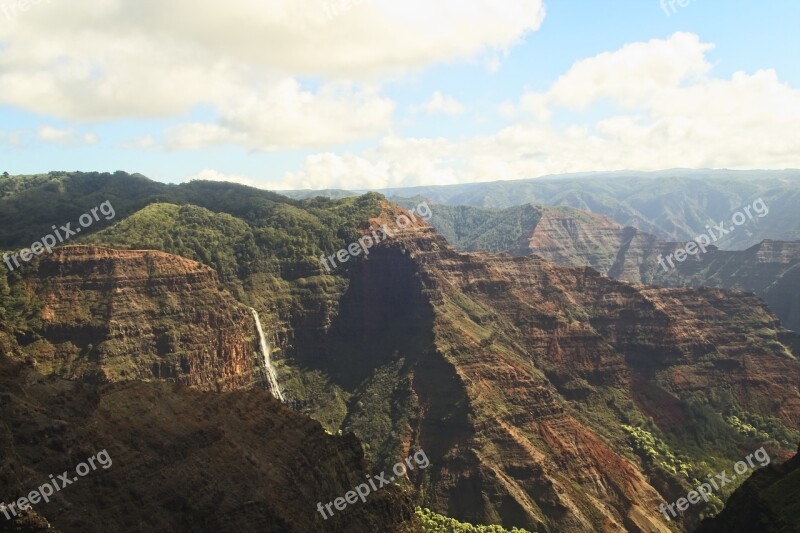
(368, 94)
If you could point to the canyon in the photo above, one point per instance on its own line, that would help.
(547, 397)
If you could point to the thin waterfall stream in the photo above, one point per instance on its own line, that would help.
(269, 371)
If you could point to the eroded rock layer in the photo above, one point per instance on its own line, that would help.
(115, 315)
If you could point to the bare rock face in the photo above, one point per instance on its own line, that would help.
(181, 460)
(566, 239)
(770, 269)
(515, 375)
(112, 315)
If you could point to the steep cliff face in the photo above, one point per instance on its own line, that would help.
(111, 315)
(181, 460)
(569, 237)
(522, 389)
(783, 297)
(770, 269)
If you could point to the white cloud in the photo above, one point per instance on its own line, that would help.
(629, 76)
(390, 165)
(667, 111)
(65, 137)
(50, 134)
(537, 105)
(147, 142)
(283, 116)
(441, 104)
(109, 59)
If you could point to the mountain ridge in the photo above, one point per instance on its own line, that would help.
(674, 205)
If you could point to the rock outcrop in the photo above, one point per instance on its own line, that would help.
(770, 269)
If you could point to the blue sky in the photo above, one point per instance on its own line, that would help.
(362, 90)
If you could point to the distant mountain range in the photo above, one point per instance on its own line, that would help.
(673, 205)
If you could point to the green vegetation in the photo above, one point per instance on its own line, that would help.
(655, 451)
(322, 399)
(764, 428)
(658, 456)
(235, 229)
(216, 239)
(435, 523)
(768, 501)
(746, 429)
(19, 308)
(31, 205)
(275, 238)
(381, 411)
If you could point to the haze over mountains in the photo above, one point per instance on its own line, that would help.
(547, 397)
(674, 205)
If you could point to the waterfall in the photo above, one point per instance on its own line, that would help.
(269, 370)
